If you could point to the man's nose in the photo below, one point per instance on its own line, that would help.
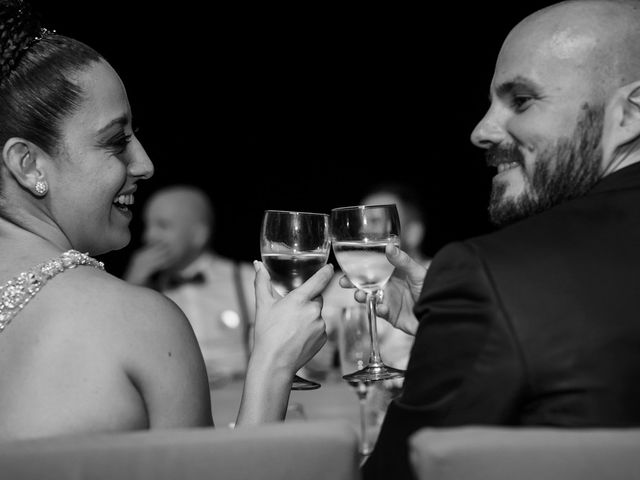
(488, 131)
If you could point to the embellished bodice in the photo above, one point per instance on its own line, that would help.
(18, 291)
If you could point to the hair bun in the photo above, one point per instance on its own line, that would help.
(19, 27)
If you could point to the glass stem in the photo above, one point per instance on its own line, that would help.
(374, 357)
(361, 391)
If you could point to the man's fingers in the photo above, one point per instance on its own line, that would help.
(360, 296)
(382, 309)
(345, 282)
(404, 262)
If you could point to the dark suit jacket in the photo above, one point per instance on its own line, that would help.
(536, 324)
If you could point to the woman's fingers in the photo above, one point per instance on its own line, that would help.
(314, 286)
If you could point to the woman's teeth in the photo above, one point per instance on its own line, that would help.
(124, 200)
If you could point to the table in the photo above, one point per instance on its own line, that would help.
(334, 400)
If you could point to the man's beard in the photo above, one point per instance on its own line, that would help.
(577, 168)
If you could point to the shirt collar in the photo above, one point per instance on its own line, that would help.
(627, 177)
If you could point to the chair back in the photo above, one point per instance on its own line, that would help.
(498, 453)
(279, 451)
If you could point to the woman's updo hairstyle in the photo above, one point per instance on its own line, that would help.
(37, 88)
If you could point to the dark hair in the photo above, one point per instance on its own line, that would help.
(37, 91)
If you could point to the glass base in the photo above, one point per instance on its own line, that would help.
(364, 452)
(374, 373)
(300, 383)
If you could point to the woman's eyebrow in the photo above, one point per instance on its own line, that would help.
(116, 121)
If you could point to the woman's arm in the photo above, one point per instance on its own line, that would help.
(165, 362)
(289, 331)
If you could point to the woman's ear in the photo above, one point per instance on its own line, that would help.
(621, 130)
(23, 160)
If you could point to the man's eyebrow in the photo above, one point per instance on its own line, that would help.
(517, 83)
(116, 121)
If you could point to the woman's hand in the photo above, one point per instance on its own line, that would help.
(290, 327)
(400, 293)
(288, 332)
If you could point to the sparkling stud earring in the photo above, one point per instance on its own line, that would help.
(41, 187)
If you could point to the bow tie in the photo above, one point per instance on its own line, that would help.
(179, 280)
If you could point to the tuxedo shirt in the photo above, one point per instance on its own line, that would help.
(215, 313)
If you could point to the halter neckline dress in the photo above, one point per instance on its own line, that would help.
(17, 292)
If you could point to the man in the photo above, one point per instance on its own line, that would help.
(537, 323)
(413, 218)
(395, 344)
(215, 293)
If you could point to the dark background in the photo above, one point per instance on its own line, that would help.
(303, 106)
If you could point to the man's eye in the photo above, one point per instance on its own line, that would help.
(521, 102)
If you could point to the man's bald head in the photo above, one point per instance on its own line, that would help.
(565, 105)
(179, 218)
(601, 38)
(187, 201)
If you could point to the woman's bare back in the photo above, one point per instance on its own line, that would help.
(90, 352)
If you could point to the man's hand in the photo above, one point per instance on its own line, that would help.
(400, 293)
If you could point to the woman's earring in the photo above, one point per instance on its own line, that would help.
(41, 187)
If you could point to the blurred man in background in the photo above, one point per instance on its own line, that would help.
(413, 220)
(215, 293)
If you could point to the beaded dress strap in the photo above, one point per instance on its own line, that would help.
(17, 292)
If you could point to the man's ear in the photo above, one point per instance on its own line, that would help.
(22, 159)
(201, 235)
(621, 131)
(413, 234)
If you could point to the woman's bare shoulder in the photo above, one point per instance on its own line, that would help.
(96, 299)
(156, 346)
(96, 333)
(139, 326)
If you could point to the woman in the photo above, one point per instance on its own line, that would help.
(80, 349)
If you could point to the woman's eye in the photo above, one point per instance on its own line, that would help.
(119, 143)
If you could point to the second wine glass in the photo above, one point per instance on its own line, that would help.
(360, 235)
(353, 348)
(294, 246)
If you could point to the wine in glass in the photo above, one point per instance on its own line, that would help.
(359, 236)
(294, 246)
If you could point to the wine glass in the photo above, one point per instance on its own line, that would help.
(353, 348)
(359, 236)
(294, 246)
